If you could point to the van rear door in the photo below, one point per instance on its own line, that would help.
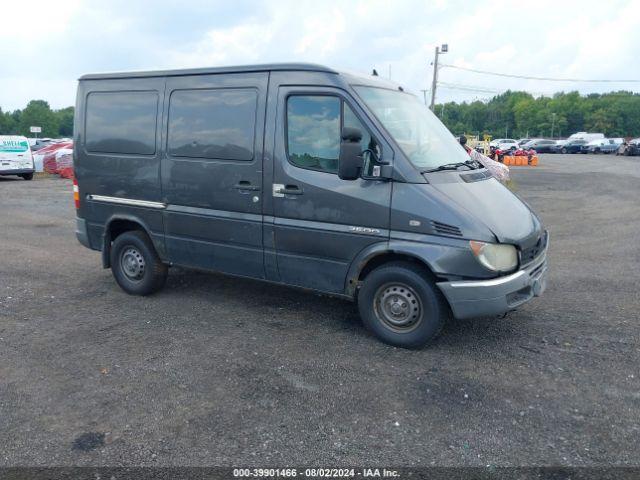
(212, 171)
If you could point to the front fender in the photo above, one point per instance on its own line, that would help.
(447, 258)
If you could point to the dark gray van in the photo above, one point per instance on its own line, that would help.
(305, 176)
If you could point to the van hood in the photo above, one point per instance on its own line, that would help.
(504, 213)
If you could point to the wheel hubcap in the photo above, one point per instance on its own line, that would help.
(398, 307)
(132, 263)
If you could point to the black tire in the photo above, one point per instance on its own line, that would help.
(27, 176)
(421, 308)
(563, 150)
(136, 265)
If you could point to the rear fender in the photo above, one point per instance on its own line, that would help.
(107, 237)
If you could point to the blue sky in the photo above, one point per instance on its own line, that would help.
(56, 42)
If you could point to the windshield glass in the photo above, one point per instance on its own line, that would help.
(419, 133)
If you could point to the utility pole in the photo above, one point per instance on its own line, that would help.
(424, 95)
(445, 49)
(553, 122)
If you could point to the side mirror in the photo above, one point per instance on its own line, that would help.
(350, 161)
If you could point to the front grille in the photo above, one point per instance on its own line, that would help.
(444, 229)
(528, 255)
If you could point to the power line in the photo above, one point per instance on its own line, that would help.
(481, 89)
(548, 79)
(467, 88)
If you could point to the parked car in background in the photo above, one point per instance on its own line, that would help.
(572, 146)
(602, 145)
(504, 144)
(540, 145)
(557, 147)
(15, 156)
(630, 148)
(38, 143)
(522, 141)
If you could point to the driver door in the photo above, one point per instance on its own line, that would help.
(320, 221)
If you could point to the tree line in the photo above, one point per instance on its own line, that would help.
(510, 115)
(38, 113)
(521, 115)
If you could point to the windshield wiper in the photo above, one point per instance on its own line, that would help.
(474, 164)
(454, 166)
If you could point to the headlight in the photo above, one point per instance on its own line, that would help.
(496, 257)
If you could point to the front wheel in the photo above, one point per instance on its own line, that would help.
(136, 265)
(564, 150)
(27, 176)
(402, 306)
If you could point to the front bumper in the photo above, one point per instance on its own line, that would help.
(479, 298)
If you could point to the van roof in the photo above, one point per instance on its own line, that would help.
(308, 67)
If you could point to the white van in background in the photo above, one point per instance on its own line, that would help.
(15, 157)
(585, 136)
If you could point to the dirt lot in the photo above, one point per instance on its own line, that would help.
(222, 371)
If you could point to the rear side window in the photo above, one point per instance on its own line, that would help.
(213, 123)
(121, 122)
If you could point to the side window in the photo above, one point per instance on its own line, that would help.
(314, 123)
(313, 132)
(212, 123)
(121, 122)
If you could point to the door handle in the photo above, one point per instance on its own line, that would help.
(246, 186)
(289, 190)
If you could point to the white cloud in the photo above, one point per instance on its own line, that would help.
(576, 38)
(36, 19)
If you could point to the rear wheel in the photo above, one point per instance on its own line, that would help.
(402, 306)
(136, 265)
(27, 176)
(563, 150)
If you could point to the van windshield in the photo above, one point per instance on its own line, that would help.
(419, 133)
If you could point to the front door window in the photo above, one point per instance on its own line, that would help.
(314, 123)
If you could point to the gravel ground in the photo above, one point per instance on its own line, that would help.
(223, 371)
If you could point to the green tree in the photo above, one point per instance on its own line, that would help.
(6, 123)
(616, 114)
(65, 121)
(38, 113)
